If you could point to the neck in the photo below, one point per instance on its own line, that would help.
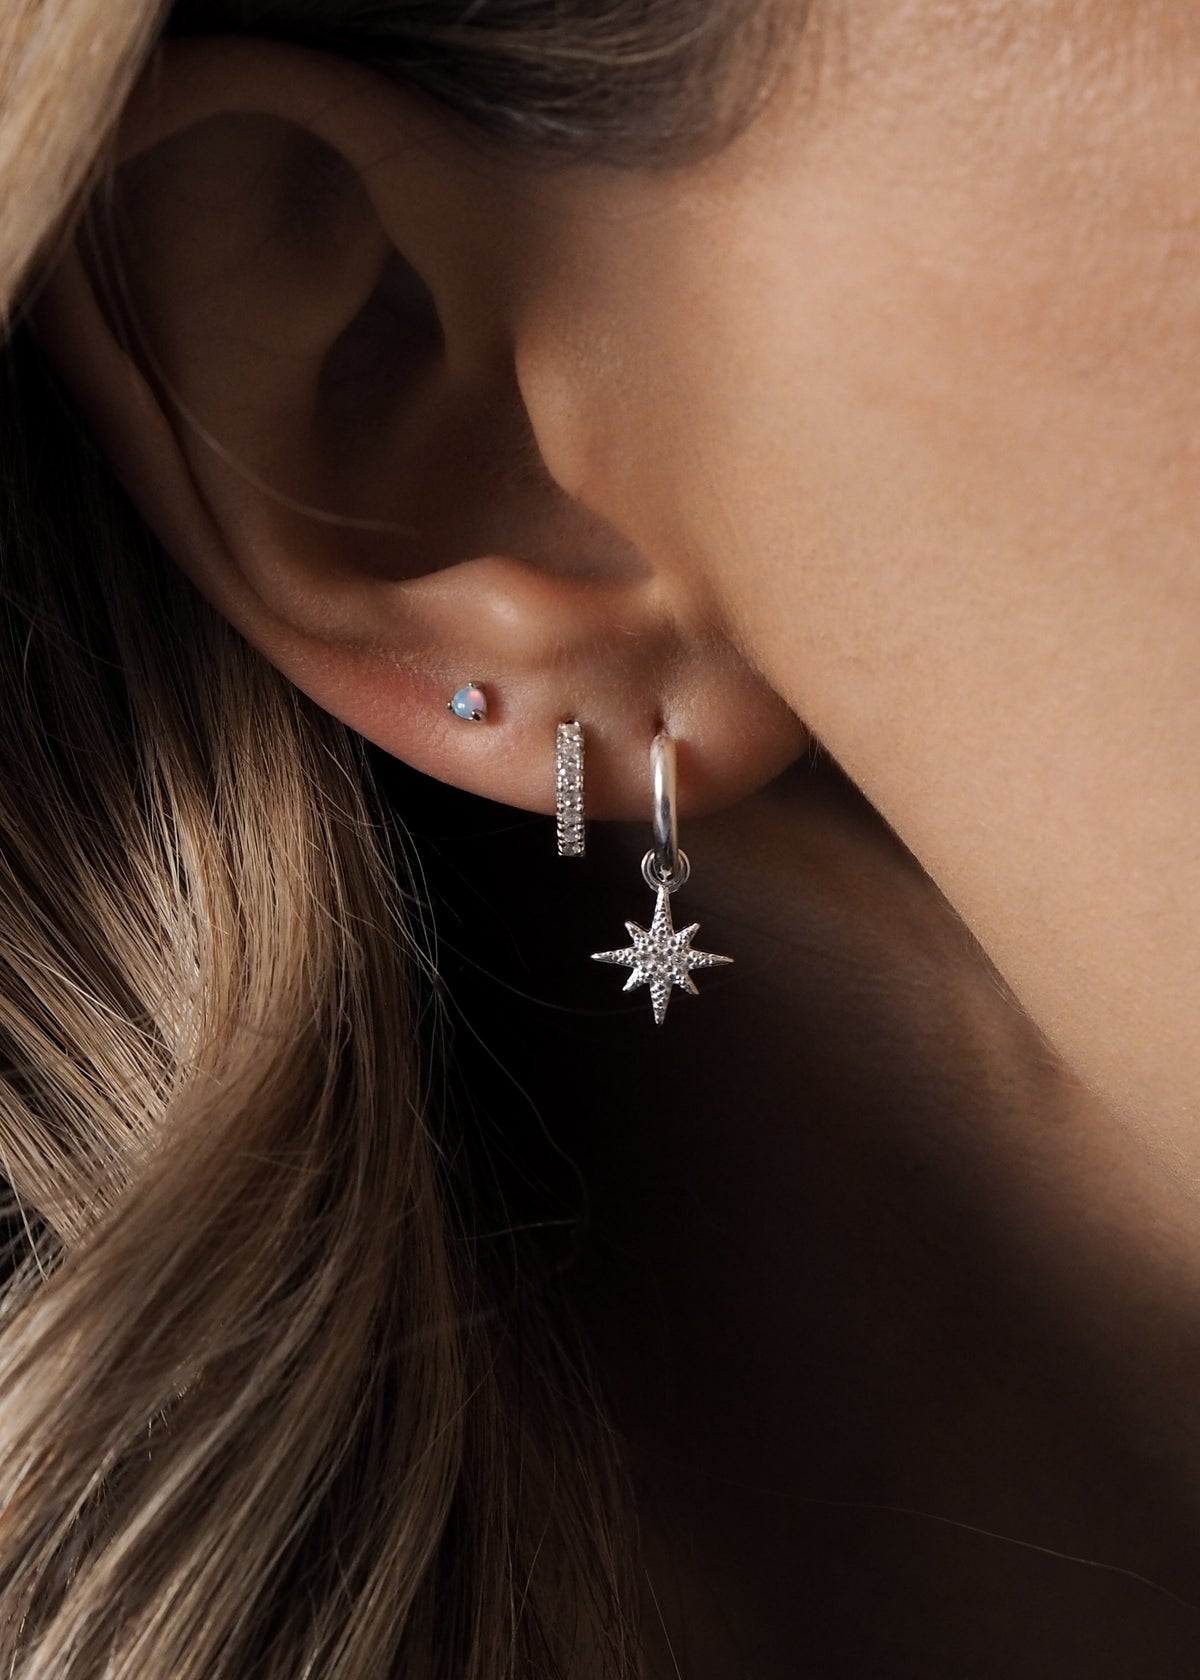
(877, 1281)
(884, 1303)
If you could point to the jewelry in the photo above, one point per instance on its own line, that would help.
(659, 956)
(469, 703)
(568, 768)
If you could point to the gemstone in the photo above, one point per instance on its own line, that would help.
(470, 703)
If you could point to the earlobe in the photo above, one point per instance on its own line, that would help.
(296, 338)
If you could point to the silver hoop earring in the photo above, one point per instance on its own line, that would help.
(568, 777)
(660, 957)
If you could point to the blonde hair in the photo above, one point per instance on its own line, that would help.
(262, 1408)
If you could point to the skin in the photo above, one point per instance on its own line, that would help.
(911, 378)
(881, 424)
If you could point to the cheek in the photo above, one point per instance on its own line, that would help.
(911, 389)
(930, 329)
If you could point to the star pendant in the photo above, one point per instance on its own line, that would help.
(661, 958)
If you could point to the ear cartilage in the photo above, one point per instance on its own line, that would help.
(568, 777)
(470, 703)
(662, 957)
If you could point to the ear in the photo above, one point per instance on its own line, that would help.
(295, 316)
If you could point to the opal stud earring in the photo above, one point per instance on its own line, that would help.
(470, 703)
(660, 957)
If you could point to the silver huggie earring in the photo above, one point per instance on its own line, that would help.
(568, 778)
(659, 957)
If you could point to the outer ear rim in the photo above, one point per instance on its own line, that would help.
(199, 92)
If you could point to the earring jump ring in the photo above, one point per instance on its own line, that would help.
(670, 883)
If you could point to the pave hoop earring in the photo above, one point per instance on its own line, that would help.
(660, 957)
(568, 779)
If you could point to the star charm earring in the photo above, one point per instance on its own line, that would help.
(660, 957)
